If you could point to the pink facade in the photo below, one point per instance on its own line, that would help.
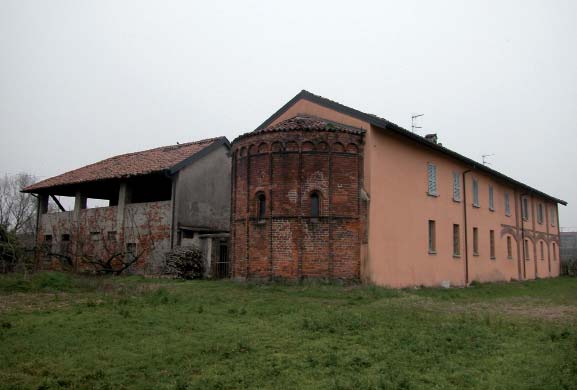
(396, 182)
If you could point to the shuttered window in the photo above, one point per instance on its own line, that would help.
(456, 241)
(432, 237)
(492, 243)
(526, 249)
(475, 193)
(525, 209)
(491, 199)
(456, 187)
(507, 205)
(475, 241)
(432, 179)
(542, 250)
(540, 214)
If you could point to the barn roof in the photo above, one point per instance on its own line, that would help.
(167, 159)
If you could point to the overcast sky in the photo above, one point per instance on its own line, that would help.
(84, 80)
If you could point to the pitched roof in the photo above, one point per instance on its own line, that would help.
(163, 159)
(385, 124)
(304, 122)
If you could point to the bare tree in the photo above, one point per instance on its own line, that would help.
(17, 210)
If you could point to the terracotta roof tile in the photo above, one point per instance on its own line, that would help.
(126, 165)
(307, 123)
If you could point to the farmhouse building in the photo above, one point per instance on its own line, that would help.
(157, 199)
(323, 190)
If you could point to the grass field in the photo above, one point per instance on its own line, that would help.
(58, 331)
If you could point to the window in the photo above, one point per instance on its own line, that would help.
(525, 209)
(540, 213)
(111, 236)
(432, 237)
(130, 251)
(315, 205)
(552, 216)
(554, 252)
(542, 250)
(507, 205)
(475, 193)
(94, 236)
(456, 240)
(456, 187)
(432, 173)
(475, 241)
(526, 250)
(48, 238)
(261, 211)
(65, 237)
(491, 199)
(509, 248)
(492, 243)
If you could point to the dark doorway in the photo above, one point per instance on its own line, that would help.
(222, 266)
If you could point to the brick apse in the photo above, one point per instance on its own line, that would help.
(297, 209)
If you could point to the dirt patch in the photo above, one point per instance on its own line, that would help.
(29, 302)
(519, 307)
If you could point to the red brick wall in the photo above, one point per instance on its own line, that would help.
(287, 167)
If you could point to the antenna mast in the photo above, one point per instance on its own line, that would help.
(413, 125)
(485, 158)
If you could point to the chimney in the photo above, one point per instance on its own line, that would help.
(431, 138)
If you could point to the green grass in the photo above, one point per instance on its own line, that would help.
(115, 333)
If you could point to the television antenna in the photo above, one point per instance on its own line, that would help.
(413, 125)
(485, 158)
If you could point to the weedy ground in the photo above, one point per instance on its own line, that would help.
(59, 331)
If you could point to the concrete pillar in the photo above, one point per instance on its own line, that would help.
(124, 197)
(79, 204)
(42, 204)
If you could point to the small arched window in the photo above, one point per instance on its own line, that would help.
(261, 211)
(315, 205)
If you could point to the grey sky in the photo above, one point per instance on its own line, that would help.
(84, 80)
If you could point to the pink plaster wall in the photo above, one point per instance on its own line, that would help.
(400, 209)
